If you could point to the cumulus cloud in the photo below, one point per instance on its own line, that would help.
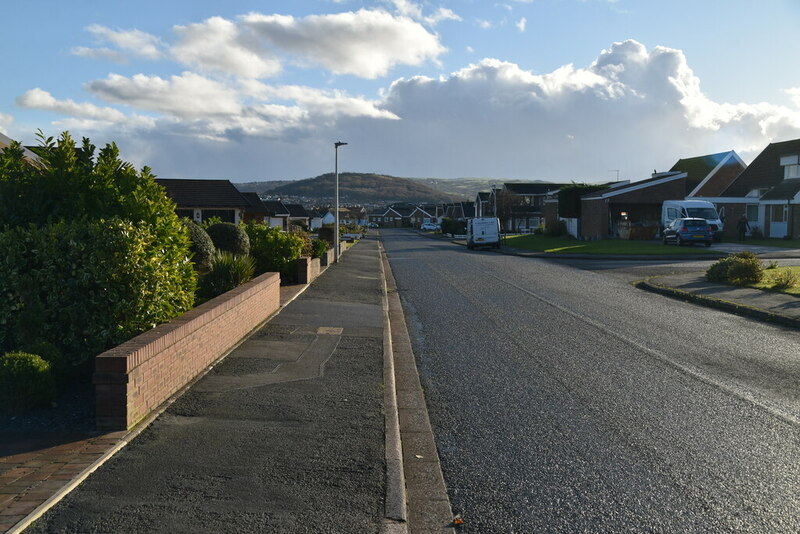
(413, 10)
(522, 24)
(5, 122)
(220, 45)
(794, 92)
(365, 43)
(40, 99)
(134, 42)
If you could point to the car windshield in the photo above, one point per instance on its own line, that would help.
(694, 224)
(702, 213)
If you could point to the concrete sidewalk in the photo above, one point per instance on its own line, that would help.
(286, 434)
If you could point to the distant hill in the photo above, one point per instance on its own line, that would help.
(260, 187)
(362, 188)
(467, 188)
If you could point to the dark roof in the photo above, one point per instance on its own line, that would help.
(484, 195)
(275, 208)
(203, 193)
(531, 189)
(699, 167)
(785, 190)
(256, 205)
(627, 185)
(468, 209)
(296, 210)
(765, 171)
(404, 211)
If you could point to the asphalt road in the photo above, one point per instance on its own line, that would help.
(565, 400)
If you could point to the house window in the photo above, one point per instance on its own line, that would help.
(752, 212)
(779, 213)
(791, 166)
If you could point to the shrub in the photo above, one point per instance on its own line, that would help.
(226, 272)
(273, 250)
(202, 248)
(556, 228)
(87, 286)
(756, 233)
(742, 268)
(230, 238)
(771, 265)
(49, 353)
(452, 226)
(308, 246)
(25, 382)
(784, 279)
(318, 248)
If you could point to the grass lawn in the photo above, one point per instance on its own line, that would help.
(767, 242)
(540, 243)
(768, 280)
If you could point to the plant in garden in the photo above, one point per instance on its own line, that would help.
(226, 271)
(784, 279)
(273, 250)
(230, 237)
(741, 268)
(202, 247)
(556, 228)
(25, 382)
(318, 248)
(93, 252)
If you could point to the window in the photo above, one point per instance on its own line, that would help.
(791, 171)
(779, 213)
(752, 212)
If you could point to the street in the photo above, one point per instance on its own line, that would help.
(564, 399)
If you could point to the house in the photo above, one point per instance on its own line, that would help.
(520, 206)
(298, 215)
(420, 215)
(315, 221)
(5, 141)
(257, 212)
(709, 175)
(329, 217)
(482, 206)
(767, 192)
(201, 200)
(277, 214)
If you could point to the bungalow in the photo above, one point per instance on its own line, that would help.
(520, 206)
(257, 211)
(201, 200)
(709, 175)
(298, 215)
(277, 214)
(420, 215)
(315, 221)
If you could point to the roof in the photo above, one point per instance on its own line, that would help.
(203, 193)
(6, 141)
(765, 171)
(256, 205)
(623, 188)
(275, 208)
(785, 190)
(531, 189)
(468, 209)
(296, 210)
(484, 195)
(699, 169)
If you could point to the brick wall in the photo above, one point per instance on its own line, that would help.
(133, 379)
(307, 269)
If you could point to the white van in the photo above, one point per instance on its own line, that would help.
(483, 232)
(701, 209)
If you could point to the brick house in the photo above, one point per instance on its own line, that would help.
(199, 200)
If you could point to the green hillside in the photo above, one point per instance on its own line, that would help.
(260, 187)
(366, 188)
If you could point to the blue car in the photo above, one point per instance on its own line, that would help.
(688, 231)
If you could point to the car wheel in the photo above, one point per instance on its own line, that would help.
(678, 241)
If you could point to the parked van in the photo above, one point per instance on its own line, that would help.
(701, 209)
(483, 232)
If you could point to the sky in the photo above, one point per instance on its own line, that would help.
(554, 90)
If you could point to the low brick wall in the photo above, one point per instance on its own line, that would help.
(307, 269)
(326, 258)
(133, 379)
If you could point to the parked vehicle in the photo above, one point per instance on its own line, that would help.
(372, 225)
(692, 209)
(430, 226)
(688, 231)
(483, 232)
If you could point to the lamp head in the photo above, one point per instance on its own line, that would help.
(337, 144)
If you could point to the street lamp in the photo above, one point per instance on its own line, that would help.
(336, 243)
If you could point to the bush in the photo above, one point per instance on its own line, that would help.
(49, 353)
(226, 272)
(230, 238)
(556, 228)
(86, 286)
(739, 269)
(452, 226)
(202, 247)
(25, 382)
(784, 279)
(308, 246)
(756, 233)
(318, 248)
(273, 250)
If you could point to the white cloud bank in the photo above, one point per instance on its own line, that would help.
(632, 109)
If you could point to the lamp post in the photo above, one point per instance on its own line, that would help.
(336, 243)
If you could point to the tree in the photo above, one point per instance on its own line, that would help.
(506, 202)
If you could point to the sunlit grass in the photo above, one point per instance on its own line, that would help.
(540, 243)
(768, 280)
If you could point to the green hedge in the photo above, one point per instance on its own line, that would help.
(25, 382)
(86, 286)
(202, 247)
(230, 237)
(226, 272)
(273, 250)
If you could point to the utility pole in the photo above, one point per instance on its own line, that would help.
(336, 243)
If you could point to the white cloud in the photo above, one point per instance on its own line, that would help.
(794, 92)
(484, 24)
(134, 42)
(186, 96)
(220, 45)
(5, 122)
(522, 24)
(365, 43)
(106, 54)
(413, 10)
(40, 99)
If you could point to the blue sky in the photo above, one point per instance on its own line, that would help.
(542, 89)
